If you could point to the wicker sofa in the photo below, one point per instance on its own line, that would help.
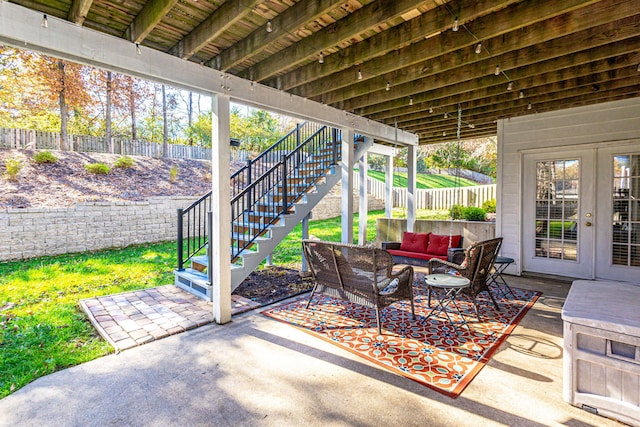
(358, 274)
(418, 248)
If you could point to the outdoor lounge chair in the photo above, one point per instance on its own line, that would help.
(358, 274)
(476, 266)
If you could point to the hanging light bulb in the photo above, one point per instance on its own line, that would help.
(359, 75)
(446, 116)
(444, 133)
(529, 106)
(479, 48)
(388, 85)
(44, 23)
(472, 126)
(411, 100)
(521, 95)
(321, 59)
(510, 86)
(269, 27)
(430, 110)
(497, 72)
(638, 69)
(138, 50)
(455, 24)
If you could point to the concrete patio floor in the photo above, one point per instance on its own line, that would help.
(258, 371)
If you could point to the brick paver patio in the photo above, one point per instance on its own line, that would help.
(134, 318)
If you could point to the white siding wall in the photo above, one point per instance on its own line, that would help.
(594, 124)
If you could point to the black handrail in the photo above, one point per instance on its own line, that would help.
(264, 189)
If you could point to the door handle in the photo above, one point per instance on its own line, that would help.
(587, 224)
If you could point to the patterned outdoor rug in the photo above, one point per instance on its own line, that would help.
(426, 350)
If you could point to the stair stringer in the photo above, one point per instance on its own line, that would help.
(278, 232)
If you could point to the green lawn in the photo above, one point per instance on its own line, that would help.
(423, 181)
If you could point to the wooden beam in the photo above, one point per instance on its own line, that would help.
(372, 92)
(78, 11)
(486, 110)
(360, 21)
(150, 15)
(287, 22)
(421, 55)
(227, 15)
(414, 30)
(596, 59)
(595, 72)
(563, 46)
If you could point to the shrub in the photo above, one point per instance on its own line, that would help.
(472, 213)
(489, 206)
(173, 173)
(13, 169)
(124, 162)
(456, 211)
(97, 168)
(44, 157)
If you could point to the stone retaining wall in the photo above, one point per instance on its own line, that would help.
(34, 232)
(329, 206)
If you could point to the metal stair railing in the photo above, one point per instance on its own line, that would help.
(193, 229)
(271, 195)
(271, 156)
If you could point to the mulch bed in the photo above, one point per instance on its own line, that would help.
(273, 284)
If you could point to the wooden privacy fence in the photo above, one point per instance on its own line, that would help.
(33, 139)
(436, 198)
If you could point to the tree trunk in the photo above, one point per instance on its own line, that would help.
(132, 109)
(108, 115)
(190, 114)
(64, 139)
(165, 136)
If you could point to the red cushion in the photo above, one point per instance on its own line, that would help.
(439, 245)
(417, 255)
(414, 242)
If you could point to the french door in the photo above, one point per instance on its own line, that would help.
(558, 213)
(581, 213)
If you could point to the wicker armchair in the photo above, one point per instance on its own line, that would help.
(476, 266)
(357, 274)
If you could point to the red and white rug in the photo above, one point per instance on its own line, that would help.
(427, 350)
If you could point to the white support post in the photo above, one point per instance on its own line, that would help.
(411, 187)
(346, 205)
(220, 246)
(305, 236)
(363, 202)
(388, 187)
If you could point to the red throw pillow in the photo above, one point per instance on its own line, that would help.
(414, 242)
(439, 245)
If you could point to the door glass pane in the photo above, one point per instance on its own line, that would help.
(557, 204)
(626, 210)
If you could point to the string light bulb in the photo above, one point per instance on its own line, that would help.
(411, 100)
(388, 86)
(497, 72)
(359, 75)
(521, 95)
(444, 133)
(321, 59)
(510, 86)
(138, 50)
(269, 27)
(430, 110)
(638, 69)
(455, 24)
(45, 22)
(472, 126)
(446, 116)
(479, 48)
(529, 107)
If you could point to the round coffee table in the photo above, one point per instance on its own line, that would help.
(452, 286)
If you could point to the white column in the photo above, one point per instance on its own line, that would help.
(411, 186)
(363, 202)
(388, 187)
(305, 236)
(346, 204)
(220, 244)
